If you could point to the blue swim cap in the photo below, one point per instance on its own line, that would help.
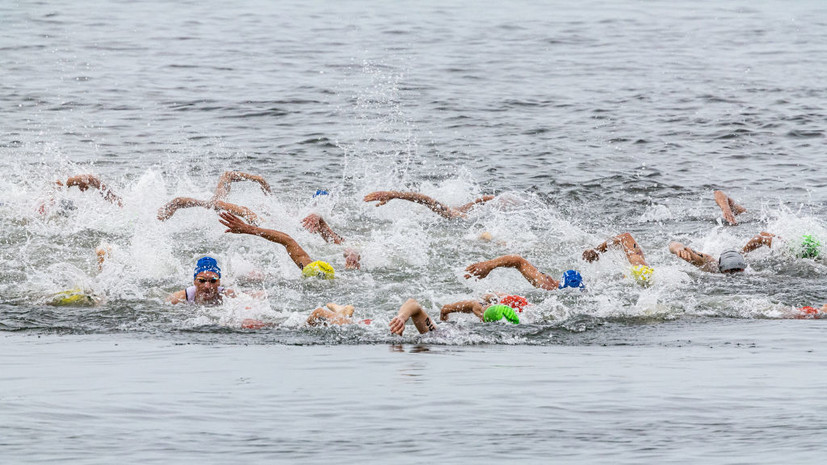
(572, 278)
(206, 264)
(320, 192)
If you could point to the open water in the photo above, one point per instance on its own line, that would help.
(588, 119)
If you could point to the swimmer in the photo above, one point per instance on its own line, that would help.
(330, 314)
(169, 209)
(491, 307)
(294, 250)
(217, 202)
(570, 278)
(383, 197)
(316, 224)
(206, 286)
(641, 271)
(730, 261)
(729, 208)
(82, 182)
(222, 190)
(413, 311)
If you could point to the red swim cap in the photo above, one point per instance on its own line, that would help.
(808, 310)
(515, 301)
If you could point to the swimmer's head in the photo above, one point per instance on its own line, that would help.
(572, 278)
(206, 264)
(809, 247)
(318, 269)
(500, 311)
(320, 192)
(516, 302)
(642, 274)
(731, 262)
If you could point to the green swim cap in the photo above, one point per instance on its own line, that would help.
(809, 247)
(498, 312)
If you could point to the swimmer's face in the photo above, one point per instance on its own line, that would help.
(733, 271)
(206, 284)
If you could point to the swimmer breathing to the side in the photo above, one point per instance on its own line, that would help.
(383, 197)
(488, 310)
(641, 271)
(206, 286)
(570, 278)
(294, 250)
(732, 261)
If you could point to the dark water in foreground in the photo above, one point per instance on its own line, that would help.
(727, 391)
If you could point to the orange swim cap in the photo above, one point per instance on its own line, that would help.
(808, 310)
(515, 301)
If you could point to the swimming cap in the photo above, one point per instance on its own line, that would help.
(498, 312)
(76, 297)
(809, 247)
(642, 274)
(320, 192)
(572, 278)
(514, 301)
(319, 269)
(808, 310)
(731, 260)
(206, 264)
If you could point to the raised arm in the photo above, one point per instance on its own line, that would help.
(411, 309)
(383, 197)
(630, 247)
(728, 207)
(763, 238)
(463, 306)
(529, 271)
(701, 260)
(169, 209)
(166, 212)
(222, 190)
(316, 224)
(236, 226)
(469, 205)
(85, 181)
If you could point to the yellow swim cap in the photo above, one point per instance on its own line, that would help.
(73, 298)
(642, 274)
(318, 268)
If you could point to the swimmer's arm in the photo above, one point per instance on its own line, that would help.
(222, 190)
(463, 306)
(85, 181)
(166, 212)
(763, 238)
(634, 254)
(529, 271)
(703, 261)
(236, 226)
(383, 197)
(411, 309)
(177, 297)
(469, 205)
(316, 224)
(237, 210)
(729, 208)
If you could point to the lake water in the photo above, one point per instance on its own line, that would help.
(587, 120)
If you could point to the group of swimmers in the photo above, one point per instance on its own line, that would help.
(206, 287)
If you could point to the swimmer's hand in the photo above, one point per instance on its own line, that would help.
(380, 197)
(352, 259)
(312, 223)
(590, 255)
(235, 225)
(479, 270)
(397, 325)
